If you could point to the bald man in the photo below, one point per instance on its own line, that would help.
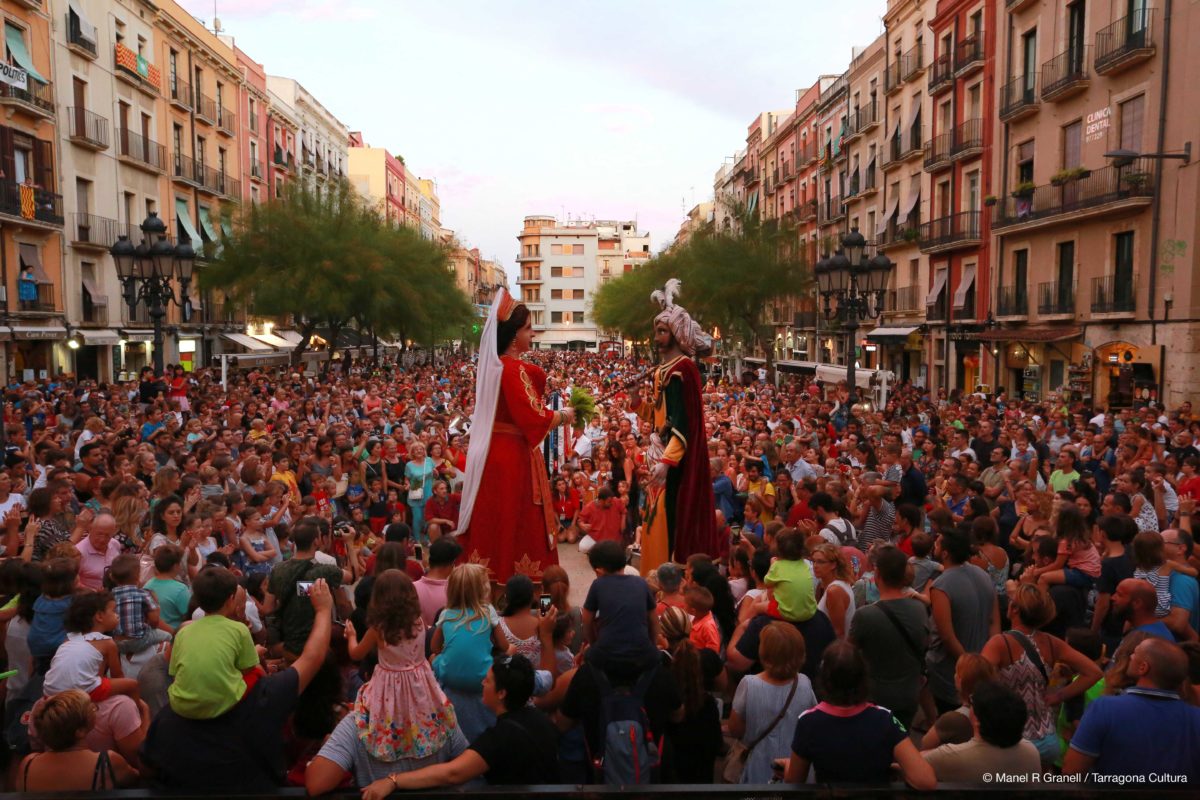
(1147, 730)
(97, 550)
(1135, 601)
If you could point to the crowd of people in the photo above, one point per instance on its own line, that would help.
(212, 588)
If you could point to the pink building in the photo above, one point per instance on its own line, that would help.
(253, 138)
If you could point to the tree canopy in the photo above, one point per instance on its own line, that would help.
(729, 275)
(328, 258)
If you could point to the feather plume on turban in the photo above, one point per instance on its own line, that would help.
(691, 337)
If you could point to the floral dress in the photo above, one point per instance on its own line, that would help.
(402, 712)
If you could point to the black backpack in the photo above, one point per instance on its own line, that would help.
(628, 754)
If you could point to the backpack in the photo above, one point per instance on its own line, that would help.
(629, 755)
(847, 536)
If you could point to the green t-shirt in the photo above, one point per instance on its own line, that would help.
(207, 661)
(1061, 481)
(173, 597)
(791, 583)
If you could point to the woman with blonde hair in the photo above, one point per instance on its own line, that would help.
(836, 601)
(767, 705)
(62, 722)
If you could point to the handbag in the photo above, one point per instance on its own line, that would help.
(739, 753)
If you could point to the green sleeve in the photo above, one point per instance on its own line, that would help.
(247, 655)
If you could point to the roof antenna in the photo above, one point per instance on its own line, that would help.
(216, 20)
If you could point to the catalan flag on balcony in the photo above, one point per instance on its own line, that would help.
(28, 202)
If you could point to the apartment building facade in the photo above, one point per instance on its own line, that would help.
(31, 208)
(562, 264)
(378, 176)
(283, 126)
(1095, 243)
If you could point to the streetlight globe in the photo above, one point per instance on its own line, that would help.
(153, 227)
(854, 243)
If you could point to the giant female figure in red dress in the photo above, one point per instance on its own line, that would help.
(507, 514)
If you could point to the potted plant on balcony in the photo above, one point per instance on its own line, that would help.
(1061, 177)
(910, 235)
(1135, 180)
(1024, 189)
(990, 200)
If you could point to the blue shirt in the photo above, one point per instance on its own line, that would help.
(47, 632)
(1185, 593)
(1140, 732)
(1157, 628)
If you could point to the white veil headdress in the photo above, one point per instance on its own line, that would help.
(488, 371)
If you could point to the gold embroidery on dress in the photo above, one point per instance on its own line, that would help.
(476, 558)
(529, 392)
(527, 566)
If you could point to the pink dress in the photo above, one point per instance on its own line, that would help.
(402, 712)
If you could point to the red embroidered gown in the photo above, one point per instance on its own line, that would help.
(513, 522)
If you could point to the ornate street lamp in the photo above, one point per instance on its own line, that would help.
(852, 288)
(146, 272)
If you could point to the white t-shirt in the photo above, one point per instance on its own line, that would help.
(252, 616)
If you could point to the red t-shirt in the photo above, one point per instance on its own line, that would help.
(605, 524)
(798, 512)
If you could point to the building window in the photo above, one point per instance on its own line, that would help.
(556, 317)
(577, 317)
(556, 249)
(556, 294)
(1021, 271)
(1123, 262)
(1072, 146)
(1131, 123)
(1025, 152)
(556, 272)
(577, 294)
(577, 272)
(576, 249)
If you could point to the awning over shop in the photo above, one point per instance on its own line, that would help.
(87, 30)
(227, 228)
(890, 335)
(137, 336)
(93, 338)
(185, 219)
(17, 51)
(797, 366)
(248, 342)
(274, 341)
(34, 331)
(291, 337)
(32, 259)
(863, 378)
(964, 286)
(939, 283)
(208, 232)
(1033, 334)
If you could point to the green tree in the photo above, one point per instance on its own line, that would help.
(729, 275)
(326, 257)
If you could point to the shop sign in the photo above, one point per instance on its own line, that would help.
(49, 333)
(1097, 124)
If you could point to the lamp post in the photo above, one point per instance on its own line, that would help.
(146, 272)
(852, 288)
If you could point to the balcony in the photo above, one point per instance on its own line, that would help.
(77, 42)
(752, 175)
(226, 121)
(89, 232)
(43, 303)
(530, 276)
(807, 155)
(807, 211)
(941, 77)
(228, 187)
(284, 160)
(968, 139)
(205, 106)
(769, 185)
(831, 211)
(87, 129)
(35, 97)
(950, 232)
(140, 152)
(860, 121)
(891, 77)
(936, 312)
(180, 94)
(1112, 294)
(1101, 192)
(1055, 298)
(29, 203)
(136, 70)
(870, 181)
(95, 314)
(968, 55)
(253, 122)
(937, 152)
(895, 235)
(1018, 98)
(529, 257)
(1012, 301)
(258, 170)
(184, 170)
(1126, 43)
(1065, 75)
(912, 63)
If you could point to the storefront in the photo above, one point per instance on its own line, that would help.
(94, 356)
(30, 350)
(1033, 362)
(899, 350)
(1124, 374)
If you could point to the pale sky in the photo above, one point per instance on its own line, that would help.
(615, 109)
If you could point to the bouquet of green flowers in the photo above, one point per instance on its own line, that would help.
(584, 405)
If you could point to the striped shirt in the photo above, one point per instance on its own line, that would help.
(878, 527)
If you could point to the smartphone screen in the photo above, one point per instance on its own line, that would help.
(303, 588)
(544, 603)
